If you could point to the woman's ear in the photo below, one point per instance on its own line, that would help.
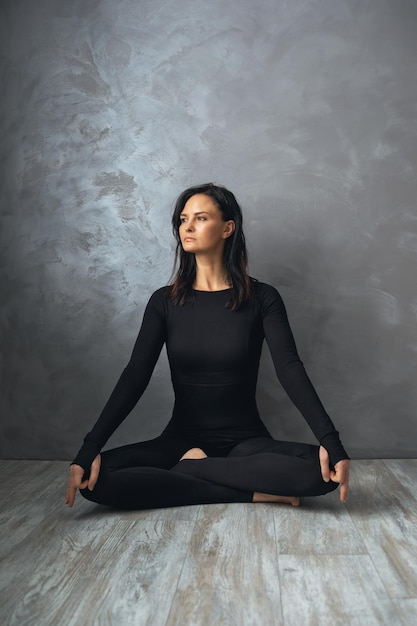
(229, 228)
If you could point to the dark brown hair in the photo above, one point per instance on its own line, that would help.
(235, 254)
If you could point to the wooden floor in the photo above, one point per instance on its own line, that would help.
(322, 564)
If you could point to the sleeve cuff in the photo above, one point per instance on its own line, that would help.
(334, 447)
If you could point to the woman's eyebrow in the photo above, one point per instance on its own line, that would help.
(196, 213)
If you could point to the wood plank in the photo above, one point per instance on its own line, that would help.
(92, 565)
(407, 611)
(141, 575)
(51, 566)
(230, 575)
(405, 470)
(333, 590)
(103, 570)
(214, 564)
(30, 491)
(11, 469)
(385, 515)
(24, 477)
(319, 526)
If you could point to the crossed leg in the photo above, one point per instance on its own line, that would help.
(138, 476)
(265, 467)
(148, 474)
(198, 453)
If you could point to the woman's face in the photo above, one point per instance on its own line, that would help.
(202, 228)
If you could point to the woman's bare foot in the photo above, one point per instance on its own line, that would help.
(267, 497)
(194, 453)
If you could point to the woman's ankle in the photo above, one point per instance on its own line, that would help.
(268, 497)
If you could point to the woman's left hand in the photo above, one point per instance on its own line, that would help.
(340, 474)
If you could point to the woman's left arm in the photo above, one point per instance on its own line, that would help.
(294, 379)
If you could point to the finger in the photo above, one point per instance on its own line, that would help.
(344, 489)
(338, 476)
(340, 472)
(72, 491)
(334, 476)
(343, 492)
(341, 476)
(75, 481)
(95, 470)
(324, 464)
(70, 495)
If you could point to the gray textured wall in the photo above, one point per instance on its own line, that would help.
(305, 109)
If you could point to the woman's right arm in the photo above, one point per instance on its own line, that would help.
(133, 381)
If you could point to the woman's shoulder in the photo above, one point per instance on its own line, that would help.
(159, 298)
(161, 292)
(264, 290)
(266, 294)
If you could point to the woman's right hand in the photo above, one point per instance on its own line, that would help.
(75, 480)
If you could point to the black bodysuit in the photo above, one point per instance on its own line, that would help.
(214, 357)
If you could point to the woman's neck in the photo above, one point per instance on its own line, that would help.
(210, 275)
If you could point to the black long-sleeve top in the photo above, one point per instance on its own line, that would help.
(214, 357)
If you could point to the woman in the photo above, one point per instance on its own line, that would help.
(215, 448)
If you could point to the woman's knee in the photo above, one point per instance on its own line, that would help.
(313, 484)
(91, 496)
(98, 493)
(330, 486)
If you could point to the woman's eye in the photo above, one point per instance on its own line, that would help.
(202, 219)
(182, 220)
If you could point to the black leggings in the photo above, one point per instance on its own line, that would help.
(149, 475)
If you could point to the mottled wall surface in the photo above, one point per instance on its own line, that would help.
(305, 109)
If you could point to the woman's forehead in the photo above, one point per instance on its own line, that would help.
(200, 203)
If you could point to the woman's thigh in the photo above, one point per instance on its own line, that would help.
(258, 445)
(163, 452)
